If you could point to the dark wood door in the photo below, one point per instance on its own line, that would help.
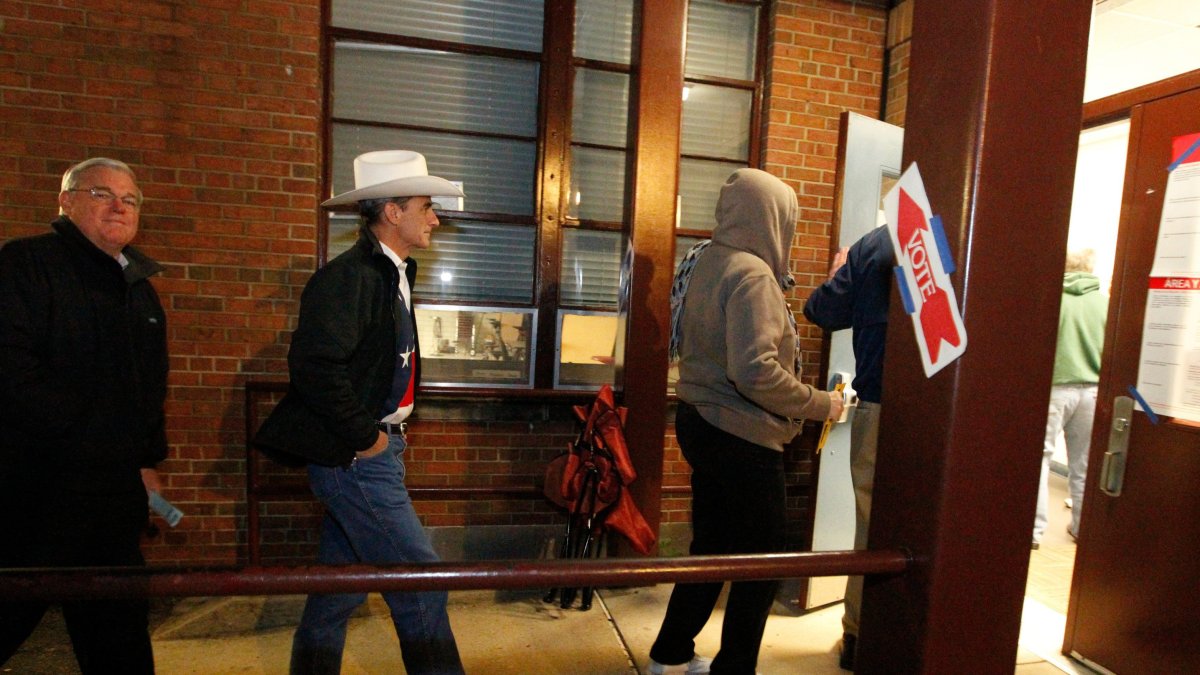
(1135, 598)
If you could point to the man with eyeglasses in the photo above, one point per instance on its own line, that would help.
(83, 380)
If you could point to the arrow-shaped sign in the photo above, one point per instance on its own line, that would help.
(924, 280)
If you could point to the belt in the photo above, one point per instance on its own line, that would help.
(392, 428)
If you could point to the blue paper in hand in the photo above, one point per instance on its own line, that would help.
(165, 509)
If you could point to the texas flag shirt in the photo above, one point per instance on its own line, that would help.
(399, 403)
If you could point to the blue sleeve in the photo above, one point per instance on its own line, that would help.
(831, 305)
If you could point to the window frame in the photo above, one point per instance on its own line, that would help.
(552, 180)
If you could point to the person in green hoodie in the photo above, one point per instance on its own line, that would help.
(1081, 322)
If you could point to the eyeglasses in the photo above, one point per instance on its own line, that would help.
(103, 194)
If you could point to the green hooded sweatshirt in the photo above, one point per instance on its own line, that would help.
(1080, 330)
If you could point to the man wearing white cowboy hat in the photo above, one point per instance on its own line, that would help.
(354, 367)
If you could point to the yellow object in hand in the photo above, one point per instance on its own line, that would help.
(839, 387)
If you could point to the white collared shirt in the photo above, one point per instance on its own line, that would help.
(401, 266)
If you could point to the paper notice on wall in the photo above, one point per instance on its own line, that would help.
(1169, 371)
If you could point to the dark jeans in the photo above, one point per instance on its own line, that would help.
(738, 506)
(108, 636)
(67, 529)
(369, 518)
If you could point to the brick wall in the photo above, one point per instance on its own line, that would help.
(217, 106)
(899, 46)
(444, 454)
(826, 58)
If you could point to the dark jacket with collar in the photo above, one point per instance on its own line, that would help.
(83, 365)
(342, 359)
(857, 297)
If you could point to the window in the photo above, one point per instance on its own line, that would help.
(603, 30)
(459, 83)
(720, 97)
(539, 143)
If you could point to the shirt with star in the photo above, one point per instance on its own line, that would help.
(399, 404)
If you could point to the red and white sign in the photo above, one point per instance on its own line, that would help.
(935, 316)
(1169, 369)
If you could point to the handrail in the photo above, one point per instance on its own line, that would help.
(44, 584)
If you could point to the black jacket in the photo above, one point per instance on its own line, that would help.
(857, 297)
(83, 365)
(341, 361)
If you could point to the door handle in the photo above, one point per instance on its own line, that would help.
(1112, 474)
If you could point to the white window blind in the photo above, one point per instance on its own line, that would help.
(468, 261)
(514, 24)
(604, 29)
(497, 173)
(597, 184)
(591, 271)
(475, 261)
(418, 87)
(601, 106)
(716, 122)
(722, 39)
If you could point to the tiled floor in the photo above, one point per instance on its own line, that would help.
(505, 633)
(1047, 591)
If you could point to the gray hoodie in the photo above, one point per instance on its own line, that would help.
(738, 344)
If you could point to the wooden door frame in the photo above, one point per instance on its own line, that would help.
(1120, 106)
(996, 135)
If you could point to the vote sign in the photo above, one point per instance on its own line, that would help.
(923, 268)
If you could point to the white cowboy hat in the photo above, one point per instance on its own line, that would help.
(393, 173)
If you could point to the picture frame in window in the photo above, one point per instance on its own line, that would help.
(474, 346)
(585, 349)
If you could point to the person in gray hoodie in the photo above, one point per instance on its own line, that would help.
(1081, 321)
(741, 400)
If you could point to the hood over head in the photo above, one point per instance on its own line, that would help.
(756, 213)
(1079, 283)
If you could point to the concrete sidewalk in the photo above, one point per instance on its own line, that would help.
(515, 633)
(499, 633)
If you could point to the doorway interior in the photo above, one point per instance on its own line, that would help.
(1132, 43)
(1095, 215)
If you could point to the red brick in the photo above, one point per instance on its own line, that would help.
(228, 147)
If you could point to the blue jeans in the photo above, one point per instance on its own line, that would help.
(738, 506)
(369, 519)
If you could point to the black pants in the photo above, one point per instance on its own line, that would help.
(69, 530)
(738, 506)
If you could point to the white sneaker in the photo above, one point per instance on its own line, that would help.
(698, 664)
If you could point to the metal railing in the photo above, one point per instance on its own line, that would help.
(89, 583)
